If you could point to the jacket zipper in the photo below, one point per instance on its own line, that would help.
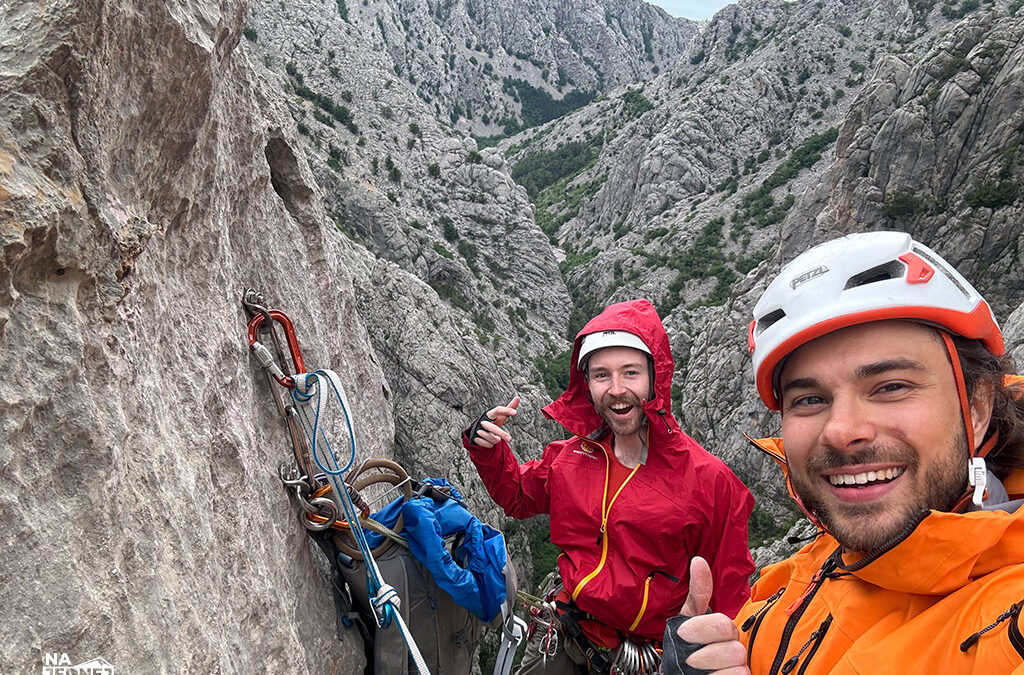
(813, 641)
(797, 609)
(753, 622)
(814, 649)
(605, 510)
(1015, 637)
(643, 605)
(647, 589)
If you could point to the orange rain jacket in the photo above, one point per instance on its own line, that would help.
(945, 600)
(625, 556)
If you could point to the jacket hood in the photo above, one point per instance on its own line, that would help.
(773, 448)
(575, 411)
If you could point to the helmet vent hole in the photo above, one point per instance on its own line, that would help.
(893, 269)
(768, 319)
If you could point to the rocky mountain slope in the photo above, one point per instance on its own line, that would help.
(489, 67)
(484, 68)
(459, 290)
(158, 159)
(783, 125)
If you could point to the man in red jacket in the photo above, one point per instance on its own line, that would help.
(631, 499)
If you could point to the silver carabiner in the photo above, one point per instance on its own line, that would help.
(323, 504)
(650, 660)
(627, 659)
(548, 646)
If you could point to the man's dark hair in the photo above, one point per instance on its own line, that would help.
(980, 365)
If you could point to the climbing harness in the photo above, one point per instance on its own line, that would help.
(324, 497)
(560, 623)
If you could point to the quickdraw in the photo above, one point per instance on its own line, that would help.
(326, 501)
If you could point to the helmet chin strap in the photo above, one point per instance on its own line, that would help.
(977, 472)
(811, 515)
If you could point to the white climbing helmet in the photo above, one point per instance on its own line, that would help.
(609, 338)
(856, 279)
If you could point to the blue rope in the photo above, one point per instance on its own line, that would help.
(330, 467)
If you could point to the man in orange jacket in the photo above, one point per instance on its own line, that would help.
(903, 441)
(631, 498)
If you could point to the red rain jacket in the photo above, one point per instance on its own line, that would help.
(682, 502)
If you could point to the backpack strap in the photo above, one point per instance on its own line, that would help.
(345, 616)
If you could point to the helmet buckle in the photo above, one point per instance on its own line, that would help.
(977, 476)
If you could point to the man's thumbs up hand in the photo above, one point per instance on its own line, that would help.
(697, 643)
(702, 585)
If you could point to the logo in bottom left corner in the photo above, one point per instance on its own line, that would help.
(58, 663)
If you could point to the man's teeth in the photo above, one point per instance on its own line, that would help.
(621, 407)
(864, 478)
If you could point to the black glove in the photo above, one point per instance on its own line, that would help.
(475, 429)
(677, 650)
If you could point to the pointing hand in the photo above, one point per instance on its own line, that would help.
(487, 431)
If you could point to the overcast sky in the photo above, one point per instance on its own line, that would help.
(691, 9)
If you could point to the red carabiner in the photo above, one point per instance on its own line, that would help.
(293, 345)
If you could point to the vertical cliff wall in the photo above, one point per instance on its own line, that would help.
(147, 175)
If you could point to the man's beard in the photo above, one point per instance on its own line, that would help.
(860, 526)
(619, 426)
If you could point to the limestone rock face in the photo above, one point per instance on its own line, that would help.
(458, 288)
(147, 175)
(933, 147)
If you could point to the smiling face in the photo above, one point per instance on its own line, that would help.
(619, 382)
(872, 429)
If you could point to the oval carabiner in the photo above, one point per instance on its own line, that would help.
(650, 659)
(255, 323)
(322, 504)
(627, 658)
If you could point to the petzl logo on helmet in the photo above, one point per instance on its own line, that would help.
(808, 275)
